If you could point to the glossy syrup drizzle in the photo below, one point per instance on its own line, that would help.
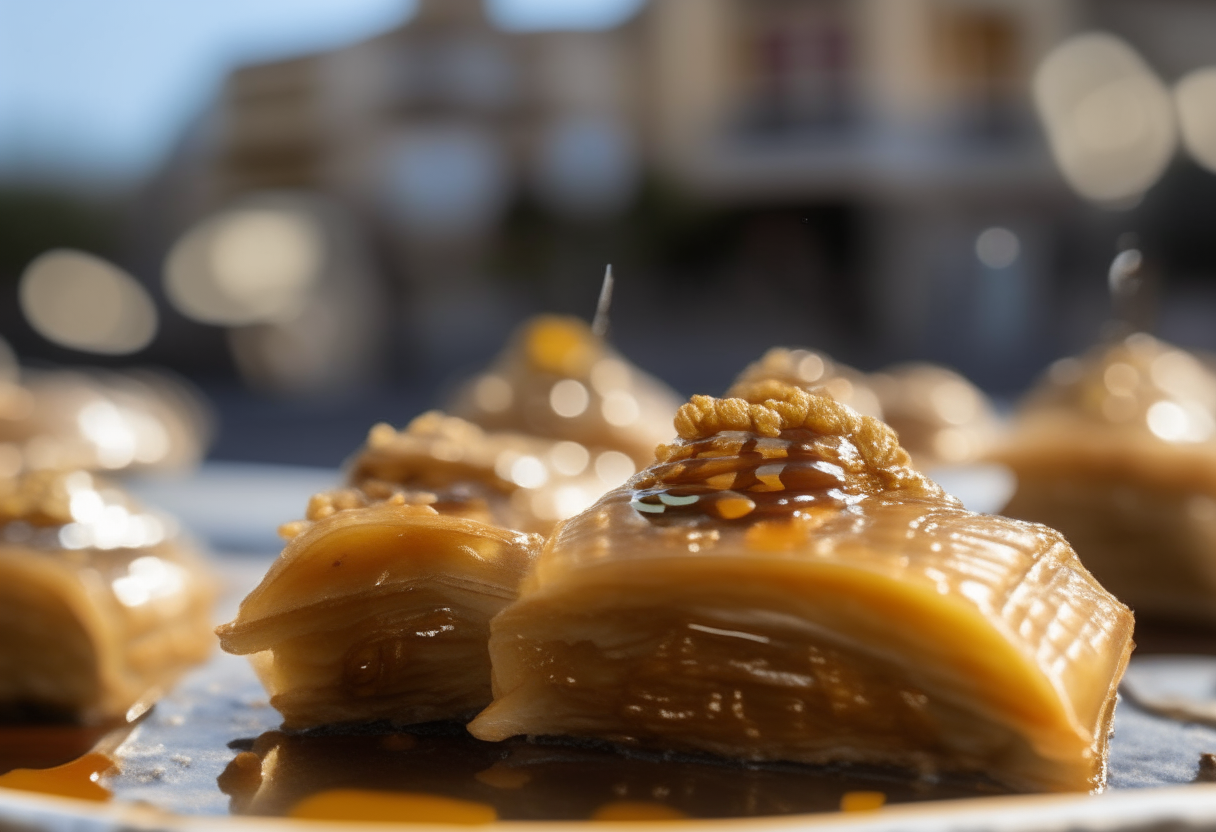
(732, 476)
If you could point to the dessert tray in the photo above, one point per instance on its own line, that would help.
(177, 767)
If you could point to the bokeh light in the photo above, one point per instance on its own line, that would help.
(1180, 421)
(569, 458)
(102, 518)
(620, 409)
(493, 394)
(148, 578)
(569, 398)
(529, 472)
(997, 248)
(610, 374)
(246, 265)
(80, 301)
(1195, 98)
(1109, 119)
(613, 468)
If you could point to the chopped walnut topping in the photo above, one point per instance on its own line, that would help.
(432, 452)
(73, 510)
(437, 424)
(787, 452)
(293, 529)
(771, 407)
(328, 503)
(42, 498)
(381, 435)
(393, 493)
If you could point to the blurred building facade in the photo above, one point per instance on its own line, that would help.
(909, 121)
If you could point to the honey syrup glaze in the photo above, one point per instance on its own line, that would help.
(438, 773)
(736, 475)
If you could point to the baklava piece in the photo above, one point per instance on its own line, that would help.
(111, 422)
(556, 379)
(1117, 450)
(782, 585)
(941, 418)
(101, 609)
(517, 481)
(378, 608)
(812, 372)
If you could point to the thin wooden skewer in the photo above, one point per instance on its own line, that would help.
(1131, 289)
(599, 324)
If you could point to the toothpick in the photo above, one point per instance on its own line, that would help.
(1132, 290)
(1124, 275)
(599, 324)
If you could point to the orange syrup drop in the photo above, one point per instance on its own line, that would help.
(76, 779)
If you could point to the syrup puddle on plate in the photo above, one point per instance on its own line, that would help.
(437, 773)
(78, 779)
(60, 758)
(42, 745)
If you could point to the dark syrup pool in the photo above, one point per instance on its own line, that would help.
(552, 779)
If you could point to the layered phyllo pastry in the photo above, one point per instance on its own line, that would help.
(557, 379)
(782, 585)
(813, 372)
(941, 418)
(1117, 449)
(101, 607)
(379, 606)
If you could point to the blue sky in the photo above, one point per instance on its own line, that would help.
(100, 89)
